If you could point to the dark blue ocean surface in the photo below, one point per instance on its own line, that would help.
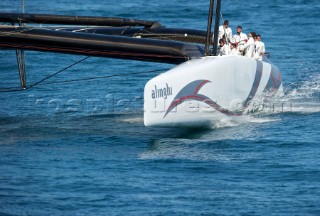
(80, 148)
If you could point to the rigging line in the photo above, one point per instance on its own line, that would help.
(23, 6)
(221, 17)
(56, 73)
(14, 89)
(102, 77)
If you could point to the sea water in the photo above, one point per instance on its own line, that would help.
(80, 147)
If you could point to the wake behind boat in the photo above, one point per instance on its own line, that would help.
(201, 89)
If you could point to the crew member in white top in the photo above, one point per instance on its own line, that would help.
(240, 38)
(259, 48)
(225, 30)
(233, 49)
(248, 48)
(223, 48)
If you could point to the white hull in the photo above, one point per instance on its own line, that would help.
(205, 90)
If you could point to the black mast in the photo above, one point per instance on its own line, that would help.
(208, 38)
(216, 28)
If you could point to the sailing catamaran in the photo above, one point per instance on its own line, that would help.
(201, 89)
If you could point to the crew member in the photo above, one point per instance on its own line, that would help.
(223, 48)
(240, 38)
(248, 48)
(233, 49)
(259, 48)
(225, 30)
